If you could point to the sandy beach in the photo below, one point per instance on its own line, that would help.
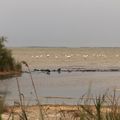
(58, 112)
(50, 112)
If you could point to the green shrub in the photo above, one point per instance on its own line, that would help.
(7, 62)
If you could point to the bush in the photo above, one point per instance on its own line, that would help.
(7, 62)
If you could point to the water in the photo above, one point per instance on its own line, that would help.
(54, 87)
(69, 57)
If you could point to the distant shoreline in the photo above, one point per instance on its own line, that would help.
(55, 47)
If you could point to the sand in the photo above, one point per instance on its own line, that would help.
(50, 112)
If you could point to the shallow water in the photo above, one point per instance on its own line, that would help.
(73, 85)
(69, 57)
(66, 84)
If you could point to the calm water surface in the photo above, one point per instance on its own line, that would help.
(65, 84)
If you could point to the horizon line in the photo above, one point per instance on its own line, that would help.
(62, 47)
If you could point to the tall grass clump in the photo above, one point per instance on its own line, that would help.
(35, 91)
(102, 107)
(7, 62)
(2, 107)
(23, 115)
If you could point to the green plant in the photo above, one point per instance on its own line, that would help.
(7, 62)
(18, 66)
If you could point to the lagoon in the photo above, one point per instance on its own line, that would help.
(54, 87)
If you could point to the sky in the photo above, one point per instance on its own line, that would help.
(60, 23)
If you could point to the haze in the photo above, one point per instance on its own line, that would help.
(58, 23)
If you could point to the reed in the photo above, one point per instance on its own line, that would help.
(33, 84)
(1, 107)
(22, 116)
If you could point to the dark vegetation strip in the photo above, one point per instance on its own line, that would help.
(59, 70)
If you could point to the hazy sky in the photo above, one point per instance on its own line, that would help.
(71, 23)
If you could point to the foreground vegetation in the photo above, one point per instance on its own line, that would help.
(8, 65)
(100, 108)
